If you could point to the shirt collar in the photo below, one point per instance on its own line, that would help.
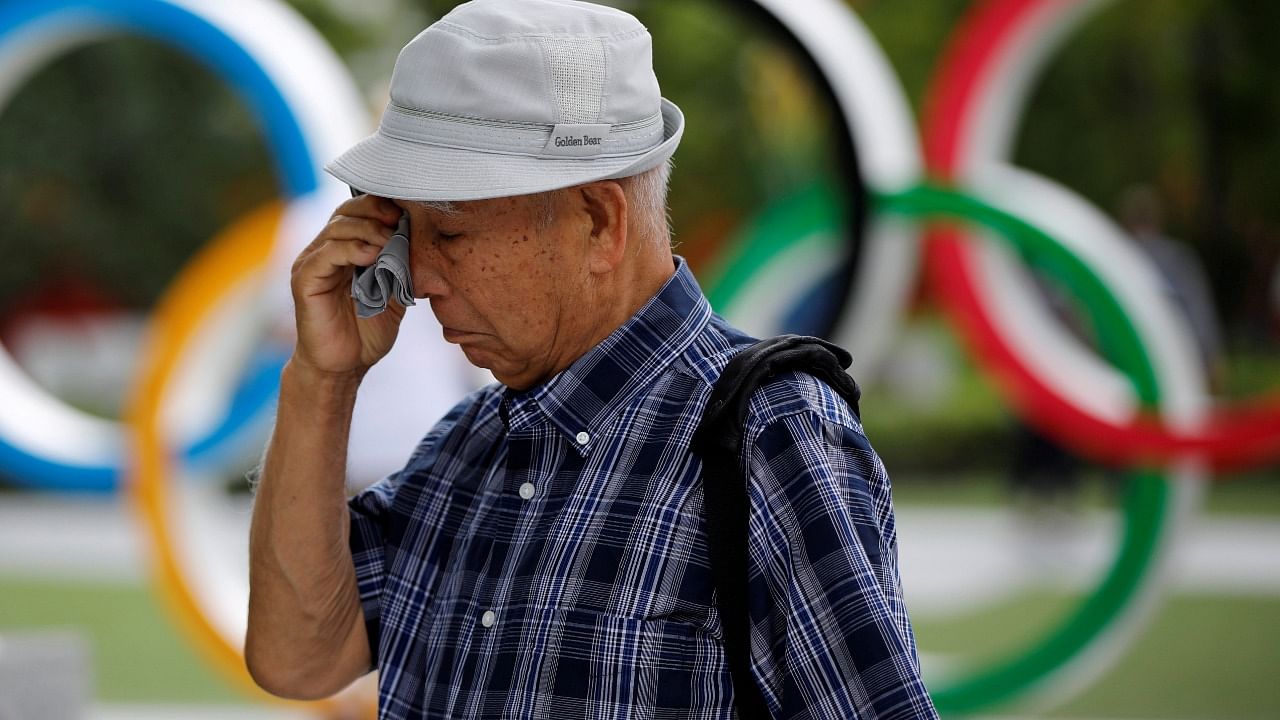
(580, 400)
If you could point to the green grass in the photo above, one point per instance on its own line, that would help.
(992, 633)
(1203, 657)
(1200, 657)
(139, 654)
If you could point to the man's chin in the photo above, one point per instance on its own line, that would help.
(502, 372)
(483, 359)
(477, 356)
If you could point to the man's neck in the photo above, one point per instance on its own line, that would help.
(616, 299)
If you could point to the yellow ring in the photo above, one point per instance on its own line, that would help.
(236, 256)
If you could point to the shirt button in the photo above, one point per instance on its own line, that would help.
(583, 438)
(488, 618)
(527, 490)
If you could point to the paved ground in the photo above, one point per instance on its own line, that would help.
(949, 557)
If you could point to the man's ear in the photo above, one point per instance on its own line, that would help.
(606, 205)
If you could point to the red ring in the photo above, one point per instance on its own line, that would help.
(1244, 435)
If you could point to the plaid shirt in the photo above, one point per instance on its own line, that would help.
(544, 554)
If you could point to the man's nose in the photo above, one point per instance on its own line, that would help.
(424, 269)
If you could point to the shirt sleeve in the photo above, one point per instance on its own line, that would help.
(369, 512)
(830, 632)
(378, 519)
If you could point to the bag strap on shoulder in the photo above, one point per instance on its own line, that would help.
(718, 441)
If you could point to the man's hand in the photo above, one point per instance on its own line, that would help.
(331, 339)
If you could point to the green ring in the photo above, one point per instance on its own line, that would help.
(813, 209)
(1147, 496)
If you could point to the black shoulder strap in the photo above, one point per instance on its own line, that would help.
(718, 441)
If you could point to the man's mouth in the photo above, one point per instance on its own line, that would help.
(453, 335)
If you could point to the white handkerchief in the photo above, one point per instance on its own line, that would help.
(388, 277)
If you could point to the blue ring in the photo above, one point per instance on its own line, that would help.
(195, 36)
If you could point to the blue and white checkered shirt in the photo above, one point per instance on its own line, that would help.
(544, 553)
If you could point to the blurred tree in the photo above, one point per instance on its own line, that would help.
(116, 161)
(913, 36)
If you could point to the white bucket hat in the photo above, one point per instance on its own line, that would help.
(511, 97)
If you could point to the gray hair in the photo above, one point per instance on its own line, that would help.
(444, 207)
(647, 198)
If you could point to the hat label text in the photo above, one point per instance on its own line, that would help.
(576, 140)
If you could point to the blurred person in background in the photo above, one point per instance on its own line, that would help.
(1180, 270)
(544, 550)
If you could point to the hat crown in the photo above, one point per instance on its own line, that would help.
(511, 97)
(530, 61)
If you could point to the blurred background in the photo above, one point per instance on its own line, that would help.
(1059, 562)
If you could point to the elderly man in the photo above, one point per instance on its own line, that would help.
(544, 552)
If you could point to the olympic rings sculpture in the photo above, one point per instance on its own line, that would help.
(1147, 388)
(274, 59)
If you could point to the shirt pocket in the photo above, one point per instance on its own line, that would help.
(599, 665)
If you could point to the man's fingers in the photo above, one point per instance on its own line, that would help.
(366, 217)
(316, 272)
(345, 227)
(372, 206)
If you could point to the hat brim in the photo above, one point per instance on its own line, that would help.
(404, 170)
